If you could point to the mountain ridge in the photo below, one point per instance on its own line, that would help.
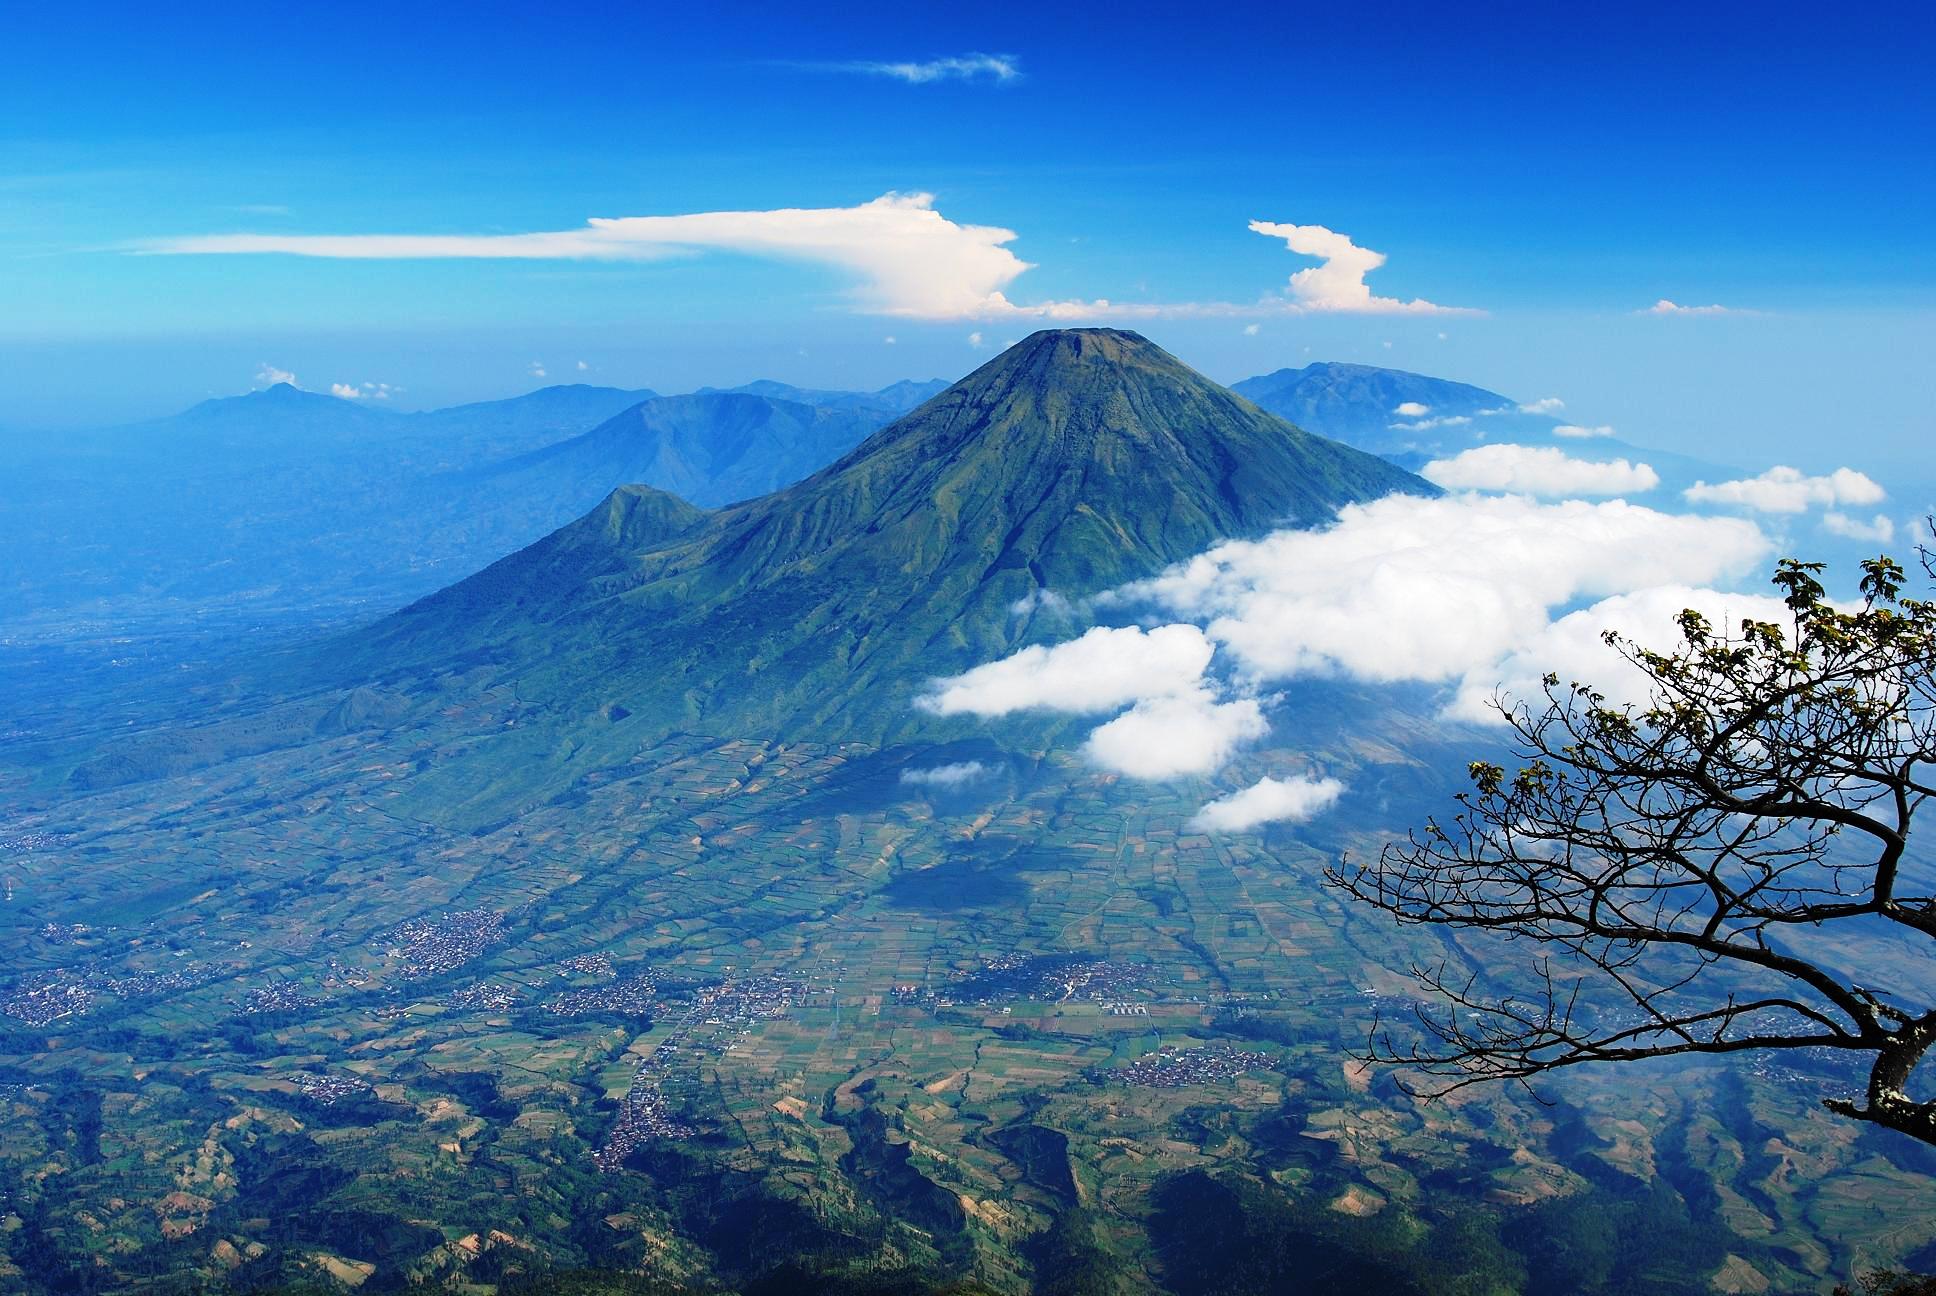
(1076, 461)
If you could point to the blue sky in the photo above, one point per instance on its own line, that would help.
(1560, 172)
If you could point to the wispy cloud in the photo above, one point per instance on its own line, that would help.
(1544, 405)
(1337, 284)
(910, 259)
(1665, 307)
(952, 775)
(1576, 432)
(268, 375)
(905, 258)
(998, 68)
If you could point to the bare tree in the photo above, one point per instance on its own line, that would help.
(1724, 868)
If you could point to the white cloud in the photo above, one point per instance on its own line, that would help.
(1538, 470)
(1433, 590)
(1665, 307)
(960, 67)
(1338, 282)
(582, 366)
(1573, 649)
(1788, 490)
(1250, 330)
(268, 376)
(1171, 736)
(1881, 528)
(1041, 600)
(1426, 425)
(1458, 590)
(1544, 405)
(974, 340)
(889, 340)
(1106, 669)
(368, 391)
(909, 258)
(904, 258)
(1268, 800)
(1412, 409)
(346, 390)
(1575, 432)
(538, 369)
(945, 776)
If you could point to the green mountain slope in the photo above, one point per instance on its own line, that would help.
(1077, 460)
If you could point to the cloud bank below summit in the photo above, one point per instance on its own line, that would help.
(904, 257)
(1478, 594)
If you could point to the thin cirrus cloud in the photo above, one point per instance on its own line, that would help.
(1789, 490)
(1269, 800)
(905, 259)
(1538, 470)
(997, 68)
(1666, 307)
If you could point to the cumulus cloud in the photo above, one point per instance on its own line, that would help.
(1169, 737)
(904, 258)
(268, 376)
(952, 775)
(1575, 432)
(1268, 800)
(909, 258)
(1538, 470)
(1106, 669)
(1789, 490)
(1459, 590)
(1337, 283)
(1411, 409)
(1665, 307)
(1544, 405)
(368, 391)
(1433, 590)
(1881, 528)
(959, 67)
(1572, 647)
(538, 369)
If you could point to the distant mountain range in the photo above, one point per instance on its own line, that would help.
(285, 505)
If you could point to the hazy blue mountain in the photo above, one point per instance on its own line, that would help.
(288, 503)
(1360, 405)
(896, 398)
(708, 448)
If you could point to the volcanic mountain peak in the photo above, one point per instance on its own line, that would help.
(1076, 461)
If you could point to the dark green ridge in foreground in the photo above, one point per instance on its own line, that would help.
(1075, 461)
